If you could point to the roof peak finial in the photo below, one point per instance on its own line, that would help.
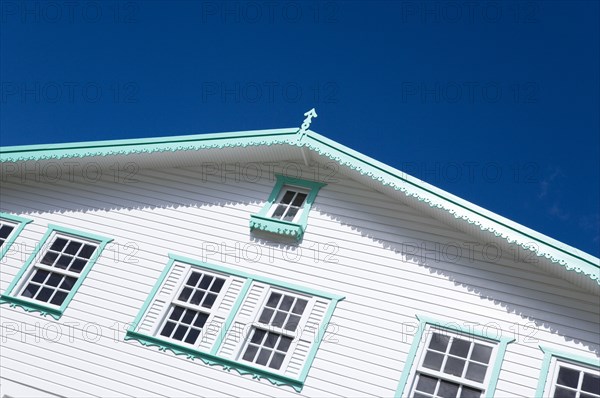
(306, 124)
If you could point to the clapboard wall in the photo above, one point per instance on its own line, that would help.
(390, 262)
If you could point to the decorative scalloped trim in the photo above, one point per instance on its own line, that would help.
(387, 182)
(28, 308)
(226, 365)
(130, 151)
(276, 227)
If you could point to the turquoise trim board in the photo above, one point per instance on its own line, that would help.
(32, 306)
(261, 222)
(21, 223)
(499, 227)
(550, 353)
(453, 326)
(212, 358)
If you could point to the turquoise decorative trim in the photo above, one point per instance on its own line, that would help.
(234, 310)
(545, 370)
(213, 360)
(274, 226)
(259, 278)
(477, 331)
(261, 222)
(513, 233)
(21, 223)
(33, 306)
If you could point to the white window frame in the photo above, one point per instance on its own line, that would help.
(300, 329)
(283, 191)
(555, 366)
(13, 224)
(212, 312)
(422, 350)
(37, 265)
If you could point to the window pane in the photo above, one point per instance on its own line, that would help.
(77, 265)
(447, 389)
(188, 317)
(197, 298)
(481, 353)
(454, 366)
(68, 283)
(277, 360)
(87, 251)
(476, 372)
(564, 393)
(279, 319)
(49, 258)
(299, 200)
(72, 248)
(201, 320)
(192, 336)
(468, 392)
(460, 348)
(591, 383)
(54, 279)
(289, 216)
(5, 230)
(286, 303)
(568, 377)
(58, 244)
(176, 314)
(250, 353)
(427, 384)
(271, 340)
(185, 294)
(299, 306)
(263, 357)
(45, 294)
(59, 297)
(40, 276)
(63, 261)
(292, 323)
(217, 285)
(284, 344)
(209, 300)
(273, 300)
(180, 332)
(279, 211)
(266, 315)
(439, 342)
(287, 197)
(168, 329)
(258, 335)
(433, 360)
(193, 279)
(31, 290)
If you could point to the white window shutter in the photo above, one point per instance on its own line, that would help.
(239, 329)
(155, 311)
(307, 336)
(222, 308)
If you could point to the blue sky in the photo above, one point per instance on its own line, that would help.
(496, 102)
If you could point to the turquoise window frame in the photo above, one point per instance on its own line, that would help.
(549, 354)
(43, 309)
(21, 223)
(262, 222)
(212, 358)
(453, 326)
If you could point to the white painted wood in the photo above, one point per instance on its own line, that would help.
(390, 261)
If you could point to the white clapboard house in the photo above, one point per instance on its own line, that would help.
(276, 263)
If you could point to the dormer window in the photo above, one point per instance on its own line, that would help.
(286, 210)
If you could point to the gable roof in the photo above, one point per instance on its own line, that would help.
(565, 261)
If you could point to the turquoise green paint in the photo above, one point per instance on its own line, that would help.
(21, 223)
(323, 146)
(210, 359)
(321, 334)
(46, 309)
(150, 297)
(259, 278)
(549, 353)
(261, 222)
(231, 317)
(474, 330)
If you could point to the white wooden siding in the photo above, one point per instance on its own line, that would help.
(385, 283)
